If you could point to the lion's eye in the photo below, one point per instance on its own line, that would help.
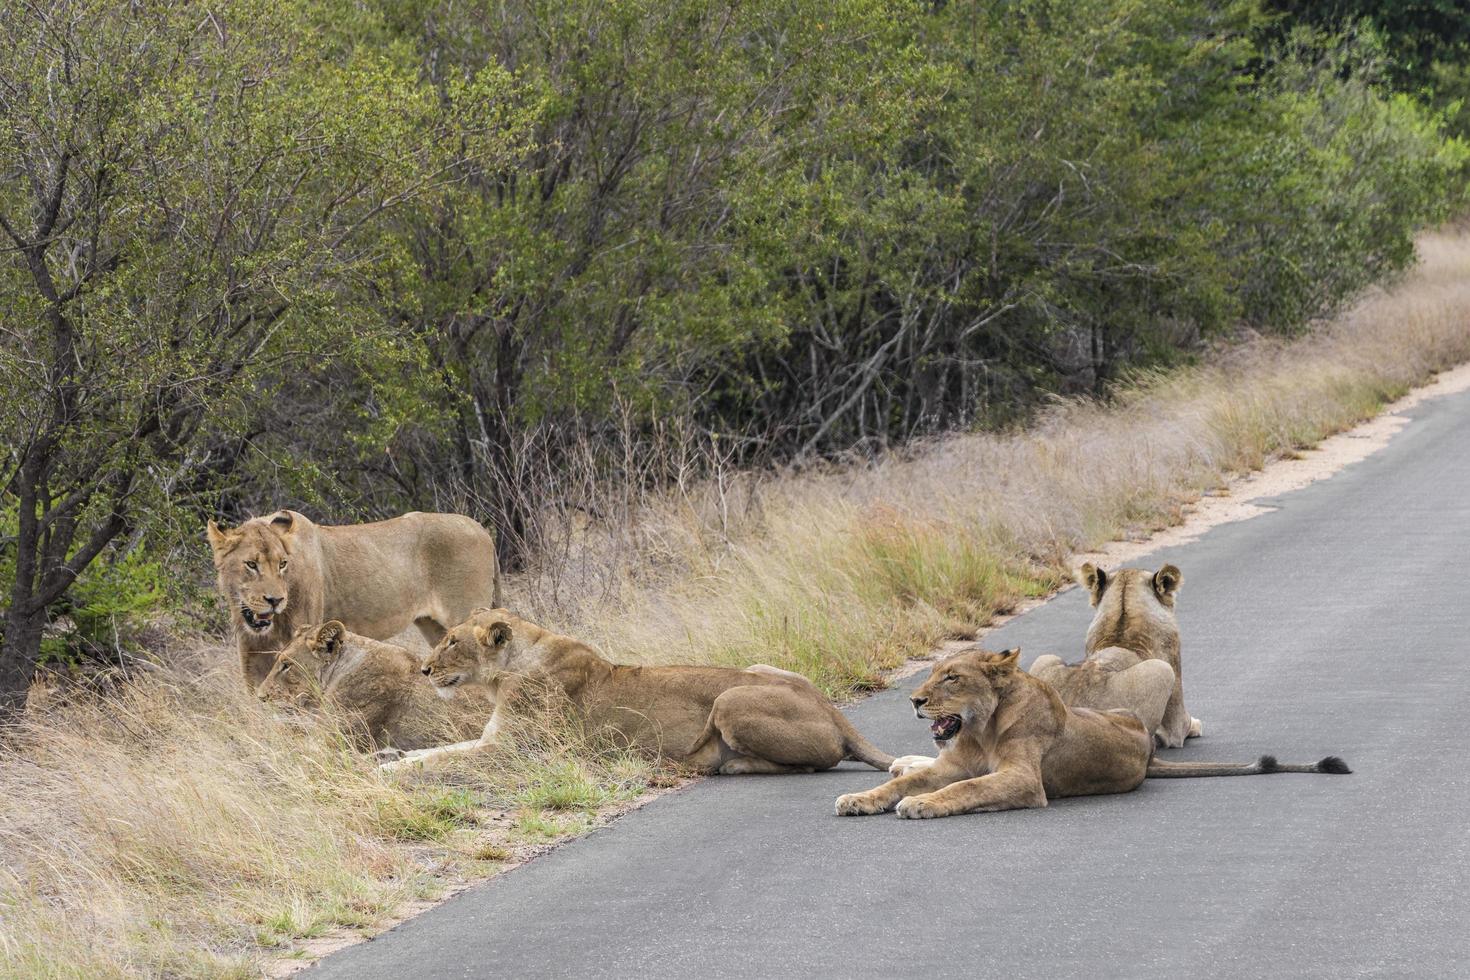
(950, 678)
(283, 564)
(252, 566)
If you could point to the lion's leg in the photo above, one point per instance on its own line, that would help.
(420, 756)
(1146, 689)
(431, 629)
(768, 726)
(1012, 788)
(883, 798)
(1044, 663)
(906, 764)
(256, 666)
(745, 765)
(1174, 729)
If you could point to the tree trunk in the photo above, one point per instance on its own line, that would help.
(20, 645)
(20, 648)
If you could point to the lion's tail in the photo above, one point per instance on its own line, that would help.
(858, 748)
(1159, 769)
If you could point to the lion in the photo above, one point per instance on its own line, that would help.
(378, 686)
(710, 719)
(1113, 678)
(1134, 623)
(283, 571)
(1010, 743)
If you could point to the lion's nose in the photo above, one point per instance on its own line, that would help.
(425, 671)
(273, 600)
(919, 702)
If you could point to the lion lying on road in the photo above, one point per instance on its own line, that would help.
(1010, 743)
(712, 719)
(378, 686)
(283, 571)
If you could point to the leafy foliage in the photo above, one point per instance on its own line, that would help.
(365, 257)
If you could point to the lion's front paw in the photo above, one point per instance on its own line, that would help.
(906, 764)
(859, 805)
(389, 754)
(918, 808)
(1196, 728)
(405, 760)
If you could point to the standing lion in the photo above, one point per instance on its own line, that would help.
(283, 571)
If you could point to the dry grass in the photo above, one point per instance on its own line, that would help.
(177, 828)
(843, 573)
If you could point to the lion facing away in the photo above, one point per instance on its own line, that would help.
(280, 572)
(1134, 623)
(712, 719)
(1010, 743)
(377, 686)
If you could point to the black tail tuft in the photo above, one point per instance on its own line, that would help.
(1268, 763)
(1334, 765)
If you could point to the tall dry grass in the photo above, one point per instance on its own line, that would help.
(181, 828)
(843, 573)
(178, 828)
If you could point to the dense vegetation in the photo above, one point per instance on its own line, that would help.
(503, 256)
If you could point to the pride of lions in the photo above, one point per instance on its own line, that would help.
(313, 607)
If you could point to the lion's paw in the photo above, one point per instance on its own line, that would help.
(1196, 728)
(906, 764)
(918, 808)
(858, 805)
(404, 761)
(389, 754)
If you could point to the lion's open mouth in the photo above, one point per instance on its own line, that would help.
(946, 727)
(259, 622)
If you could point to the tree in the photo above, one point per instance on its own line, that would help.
(191, 199)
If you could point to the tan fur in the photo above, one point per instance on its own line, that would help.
(1018, 746)
(427, 570)
(1134, 622)
(712, 719)
(378, 686)
(1111, 678)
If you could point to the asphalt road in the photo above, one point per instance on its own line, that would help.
(1337, 624)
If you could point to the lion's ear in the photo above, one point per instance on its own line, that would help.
(1094, 580)
(1009, 658)
(496, 636)
(283, 521)
(1166, 583)
(330, 638)
(219, 537)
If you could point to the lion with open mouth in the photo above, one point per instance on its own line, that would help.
(1008, 742)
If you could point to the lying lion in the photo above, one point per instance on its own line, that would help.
(283, 571)
(712, 719)
(377, 686)
(1010, 743)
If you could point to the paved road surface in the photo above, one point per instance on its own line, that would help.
(1338, 624)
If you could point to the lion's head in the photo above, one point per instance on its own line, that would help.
(1135, 607)
(963, 691)
(474, 652)
(296, 677)
(254, 563)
